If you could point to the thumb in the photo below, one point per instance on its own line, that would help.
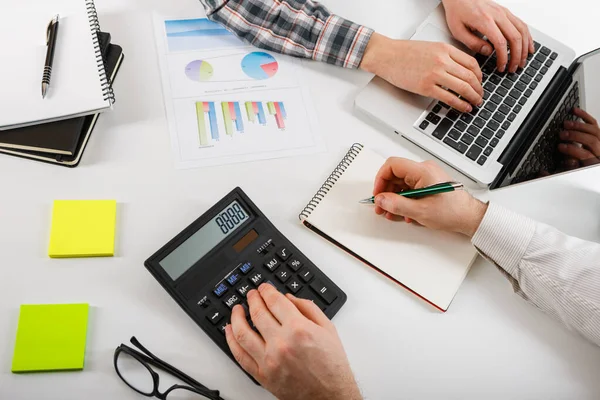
(396, 204)
(471, 40)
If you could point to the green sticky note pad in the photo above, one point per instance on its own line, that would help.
(50, 337)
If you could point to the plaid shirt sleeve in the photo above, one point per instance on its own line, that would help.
(300, 28)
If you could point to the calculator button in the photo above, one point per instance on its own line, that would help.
(294, 264)
(214, 316)
(231, 300)
(283, 253)
(322, 290)
(294, 285)
(309, 295)
(233, 278)
(243, 289)
(306, 275)
(283, 275)
(204, 302)
(220, 290)
(246, 267)
(272, 263)
(222, 327)
(257, 278)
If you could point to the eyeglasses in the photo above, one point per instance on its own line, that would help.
(135, 369)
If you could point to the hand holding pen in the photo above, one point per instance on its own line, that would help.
(454, 211)
(422, 192)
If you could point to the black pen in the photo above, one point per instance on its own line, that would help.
(51, 35)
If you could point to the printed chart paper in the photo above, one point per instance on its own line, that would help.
(228, 102)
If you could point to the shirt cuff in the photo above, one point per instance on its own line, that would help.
(342, 42)
(503, 236)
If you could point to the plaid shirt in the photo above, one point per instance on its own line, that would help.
(300, 28)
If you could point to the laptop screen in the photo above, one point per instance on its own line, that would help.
(570, 139)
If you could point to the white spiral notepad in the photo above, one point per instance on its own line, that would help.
(79, 85)
(429, 263)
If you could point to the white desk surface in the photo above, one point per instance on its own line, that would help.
(491, 344)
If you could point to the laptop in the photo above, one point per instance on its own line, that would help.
(514, 136)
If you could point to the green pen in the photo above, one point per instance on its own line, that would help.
(422, 192)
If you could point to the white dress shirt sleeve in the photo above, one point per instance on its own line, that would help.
(558, 273)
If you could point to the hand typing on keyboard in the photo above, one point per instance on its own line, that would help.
(582, 140)
(499, 25)
(297, 355)
(454, 212)
(424, 68)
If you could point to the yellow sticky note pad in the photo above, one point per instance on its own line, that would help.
(50, 337)
(83, 228)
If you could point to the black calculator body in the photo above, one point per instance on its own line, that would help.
(213, 263)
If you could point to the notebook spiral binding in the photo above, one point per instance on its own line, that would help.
(331, 180)
(95, 27)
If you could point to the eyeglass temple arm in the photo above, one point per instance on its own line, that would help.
(169, 368)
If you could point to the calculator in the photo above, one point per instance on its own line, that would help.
(233, 248)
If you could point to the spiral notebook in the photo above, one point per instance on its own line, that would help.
(430, 264)
(79, 84)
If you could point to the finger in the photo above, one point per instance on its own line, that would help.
(515, 41)
(575, 151)
(472, 41)
(467, 69)
(311, 311)
(489, 28)
(585, 116)
(262, 318)
(571, 163)
(525, 37)
(241, 356)
(451, 99)
(249, 340)
(401, 169)
(398, 205)
(591, 142)
(461, 87)
(394, 217)
(468, 62)
(388, 185)
(582, 127)
(278, 304)
(591, 161)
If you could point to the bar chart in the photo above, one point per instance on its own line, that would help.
(207, 120)
(238, 118)
(256, 112)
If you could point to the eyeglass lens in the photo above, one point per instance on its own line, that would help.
(135, 373)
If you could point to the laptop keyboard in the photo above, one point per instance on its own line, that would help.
(544, 156)
(476, 134)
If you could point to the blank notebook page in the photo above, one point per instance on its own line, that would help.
(432, 264)
(76, 86)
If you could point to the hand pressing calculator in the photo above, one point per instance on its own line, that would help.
(212, 264)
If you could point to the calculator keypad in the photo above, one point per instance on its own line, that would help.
(287, 272)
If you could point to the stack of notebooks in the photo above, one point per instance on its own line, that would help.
(55, 129)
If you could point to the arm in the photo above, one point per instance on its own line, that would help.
(557, 273)
(306, 29)
(300, 28)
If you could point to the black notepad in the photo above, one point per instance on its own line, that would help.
(59, 137)
(75, 131)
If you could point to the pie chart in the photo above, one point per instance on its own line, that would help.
(199, 71)
(260, 66)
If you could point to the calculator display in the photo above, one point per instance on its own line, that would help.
(225, 222)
